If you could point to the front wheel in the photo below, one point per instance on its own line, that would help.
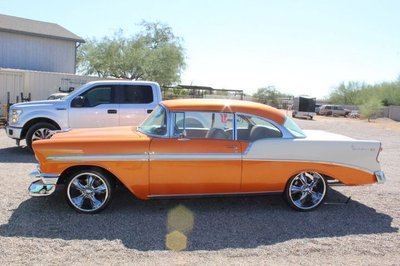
(88, 191)
(39, 131)
(306, 191)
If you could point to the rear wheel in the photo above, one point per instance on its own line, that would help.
(306, 191)
(88, 191)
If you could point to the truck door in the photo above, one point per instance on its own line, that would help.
(96, 107)
(136, 103)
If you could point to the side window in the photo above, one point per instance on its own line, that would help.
(137, 94)
(98, 95)
(252, 128)
(212, 125)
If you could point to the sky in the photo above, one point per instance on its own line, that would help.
(298, 46)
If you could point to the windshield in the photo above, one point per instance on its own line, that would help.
(156, 123)
(293, 128)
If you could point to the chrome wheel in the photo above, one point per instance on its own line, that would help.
(88, 192)
(41, 133)
(306, 191)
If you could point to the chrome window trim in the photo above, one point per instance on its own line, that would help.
(286, 134)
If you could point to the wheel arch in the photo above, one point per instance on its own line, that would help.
(73, 169)
(35, 121)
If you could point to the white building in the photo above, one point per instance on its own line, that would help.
(36, 58)
(36, 45)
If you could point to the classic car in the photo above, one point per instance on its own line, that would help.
(227, 147)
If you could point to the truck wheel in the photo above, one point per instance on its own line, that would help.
(38, 131)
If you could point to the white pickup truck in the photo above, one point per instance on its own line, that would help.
(96, 104)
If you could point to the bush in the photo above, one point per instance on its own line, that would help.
(371, 108)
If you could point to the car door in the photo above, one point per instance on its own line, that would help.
(202, 159)
(96, 107)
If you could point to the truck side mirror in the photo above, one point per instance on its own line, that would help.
(78, 101)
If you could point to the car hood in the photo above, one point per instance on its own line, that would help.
(99, 134)
(91, 142)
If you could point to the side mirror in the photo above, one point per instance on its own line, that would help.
(78, 101)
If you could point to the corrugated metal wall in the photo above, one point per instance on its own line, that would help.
(39, 84)
(36, 53)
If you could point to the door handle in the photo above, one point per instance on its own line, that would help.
(149, 111)
(111, 111)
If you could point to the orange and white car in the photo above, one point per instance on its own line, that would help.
(203, 147)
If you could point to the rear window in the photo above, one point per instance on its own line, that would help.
(293, 128)
(137, 94)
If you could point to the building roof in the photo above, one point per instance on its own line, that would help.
(36, 28)
(223, 105)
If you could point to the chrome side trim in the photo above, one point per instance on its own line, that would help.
(151, 156)
(215, 194)
(196, 156)
(101, 157)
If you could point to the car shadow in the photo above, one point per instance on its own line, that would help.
(196, 224)
(16, 155)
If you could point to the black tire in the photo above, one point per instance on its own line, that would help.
(306, 191)
(88, 191)
(38, 131)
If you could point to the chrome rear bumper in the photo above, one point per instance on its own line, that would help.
(44, 185)
(380, 177)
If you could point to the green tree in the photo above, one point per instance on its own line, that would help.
(346, 93)
(269, 95)
(371, 108)
(154, 54)
(358, 93)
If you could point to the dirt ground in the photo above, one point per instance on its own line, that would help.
(235, 230)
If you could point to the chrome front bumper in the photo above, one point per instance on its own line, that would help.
(44, 185)
(380, 177)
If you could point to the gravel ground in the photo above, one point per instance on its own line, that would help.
(245, 230)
